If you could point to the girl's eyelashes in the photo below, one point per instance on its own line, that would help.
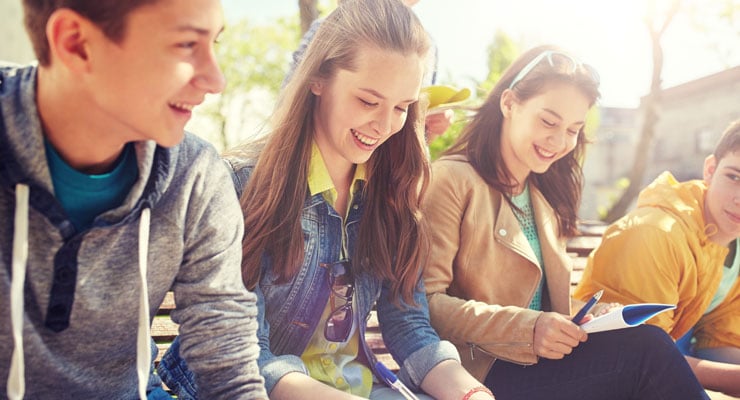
(550, 124)
(367, 103)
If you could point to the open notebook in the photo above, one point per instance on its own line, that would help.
(626, 317)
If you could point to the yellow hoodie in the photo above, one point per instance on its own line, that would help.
(660, 253)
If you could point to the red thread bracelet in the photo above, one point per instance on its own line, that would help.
(475, 390)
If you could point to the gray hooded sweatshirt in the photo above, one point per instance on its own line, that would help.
(75, 308)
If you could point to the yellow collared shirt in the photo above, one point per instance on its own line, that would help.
(335, 363)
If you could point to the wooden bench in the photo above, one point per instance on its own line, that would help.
(164, 330)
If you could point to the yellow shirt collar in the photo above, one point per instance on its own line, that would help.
(319, 180)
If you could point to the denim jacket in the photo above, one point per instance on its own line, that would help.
(290, 312)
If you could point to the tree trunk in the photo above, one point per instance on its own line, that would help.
(309, 12)
(647, 132)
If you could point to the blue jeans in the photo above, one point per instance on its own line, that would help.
(158, 394)
(634, 363)
(176, 375)
(154, 389)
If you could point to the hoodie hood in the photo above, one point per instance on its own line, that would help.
(683, 200)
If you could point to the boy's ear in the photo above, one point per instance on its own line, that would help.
(68, 33)
(710, 167)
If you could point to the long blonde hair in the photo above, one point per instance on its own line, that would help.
(392, 240)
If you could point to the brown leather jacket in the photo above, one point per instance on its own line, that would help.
(482, 273)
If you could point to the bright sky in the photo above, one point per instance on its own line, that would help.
(606, 34)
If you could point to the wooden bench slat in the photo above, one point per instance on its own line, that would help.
(582, 245)
(168, 304)
(164, 329)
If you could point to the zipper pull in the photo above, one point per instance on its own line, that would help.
(472, 351)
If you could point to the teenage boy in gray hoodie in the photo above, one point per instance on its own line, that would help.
(106, 204)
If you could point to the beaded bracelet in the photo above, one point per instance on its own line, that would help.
(475, 390)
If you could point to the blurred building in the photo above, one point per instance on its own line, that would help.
(16, 47)
(608, 158)
(692, 116)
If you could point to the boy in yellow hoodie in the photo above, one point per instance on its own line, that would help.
(680, 246)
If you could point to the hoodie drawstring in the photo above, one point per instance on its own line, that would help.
(16, 386)
(143, 338)
(16, 378)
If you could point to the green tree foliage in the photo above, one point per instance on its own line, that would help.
(501, 52)
(254, 59)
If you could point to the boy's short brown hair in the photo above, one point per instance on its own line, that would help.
(729, 142)
(109, 15)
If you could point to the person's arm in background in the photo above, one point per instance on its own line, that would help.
(436, 123)
(714, 375)
(716, 357)
(302, 46)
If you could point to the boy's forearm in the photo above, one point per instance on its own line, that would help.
(713, 375)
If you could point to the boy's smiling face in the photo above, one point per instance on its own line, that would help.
(146, 85)
(722, 200)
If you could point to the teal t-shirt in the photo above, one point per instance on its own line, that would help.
(85, 196)
(729, 277)
(529, 227)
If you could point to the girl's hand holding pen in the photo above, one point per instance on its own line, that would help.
(555, 335)
(592, 309)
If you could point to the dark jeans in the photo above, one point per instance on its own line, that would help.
(634, 363)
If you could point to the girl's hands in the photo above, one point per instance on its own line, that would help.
(555, 336)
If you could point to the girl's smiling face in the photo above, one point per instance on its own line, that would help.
(357, 110)
(542, 129)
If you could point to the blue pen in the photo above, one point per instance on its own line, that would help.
(392, 380)
(587, 307)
